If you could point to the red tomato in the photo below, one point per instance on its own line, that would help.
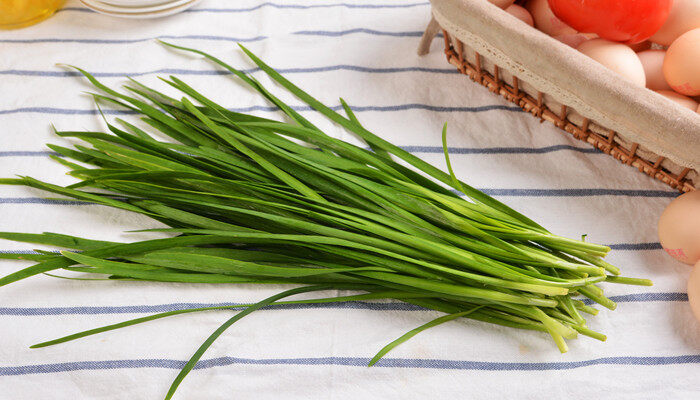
(629, 21)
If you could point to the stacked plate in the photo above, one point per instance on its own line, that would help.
(139, 8)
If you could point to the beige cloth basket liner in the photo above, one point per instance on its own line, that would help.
(568, 77)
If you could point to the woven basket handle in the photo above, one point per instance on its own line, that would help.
(430, 32)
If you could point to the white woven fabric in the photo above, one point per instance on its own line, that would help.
(363, 51)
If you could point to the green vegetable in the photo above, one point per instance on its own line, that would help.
(254, 200)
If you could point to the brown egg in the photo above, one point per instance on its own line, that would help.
(502, 3)
(679, 228)
(684, 16)
(682, 64)
(546, 21)
(653, 62)
(694, 291)
(617, 57)
(521, 14)
(682, 101)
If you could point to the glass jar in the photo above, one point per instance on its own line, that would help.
(20, 13)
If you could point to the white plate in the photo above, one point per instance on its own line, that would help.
(130, 12)
(135, 3)
(100, 5)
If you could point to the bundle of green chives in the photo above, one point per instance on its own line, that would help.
(254, 200)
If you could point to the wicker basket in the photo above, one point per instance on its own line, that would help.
(636, 126)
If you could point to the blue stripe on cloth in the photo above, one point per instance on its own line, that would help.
(340, 67)
(360, 30)
(636, 246)
(214, 38)
(147, 309)
(27, 153)
(615, 246)
(618, 247)
(63, 111)
(411, 149)
(281, 6)
(491, 192)
(398, 107)
(419, 363)
(122, 41)
(428, 107)
(357, 305)
(644, 298)
(500, 150)
(579, 192)
(307, 7)
(39, 200)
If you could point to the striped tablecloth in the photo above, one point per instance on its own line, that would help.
(364, 51)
